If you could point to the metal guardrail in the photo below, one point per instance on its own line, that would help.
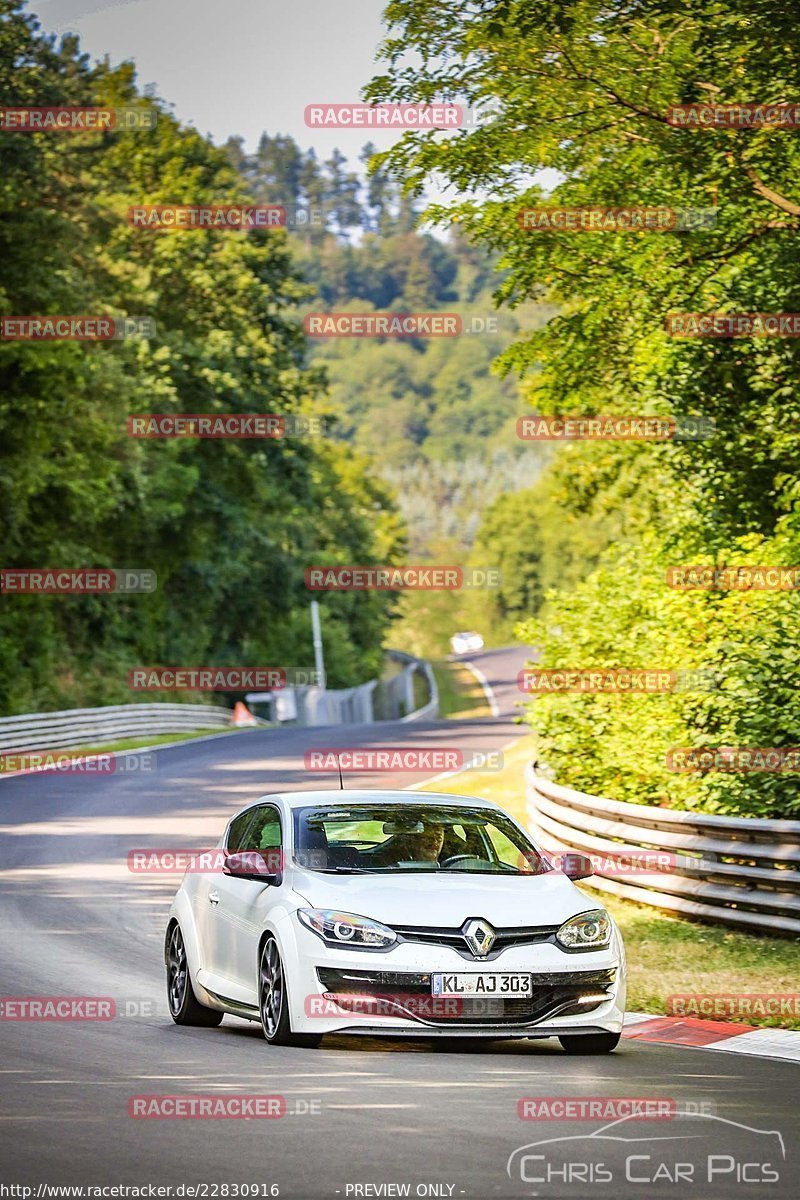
(431, 709)
(406, 681)
(111, 723)
(340, 706)
(739, 871)
(377, 700)
(97, 726)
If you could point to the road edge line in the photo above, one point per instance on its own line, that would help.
(486, 687)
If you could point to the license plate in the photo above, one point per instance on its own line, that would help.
(493, 984)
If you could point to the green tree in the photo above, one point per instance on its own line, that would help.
(585, 93)
(228, 526)
(582, 92)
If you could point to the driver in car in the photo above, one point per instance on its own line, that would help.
(424, 846)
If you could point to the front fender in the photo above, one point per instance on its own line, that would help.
(282, 928)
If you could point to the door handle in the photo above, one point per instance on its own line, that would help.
(213, 897)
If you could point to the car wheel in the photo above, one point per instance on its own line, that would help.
(184, 1007)
(590, 1043)
(273, 1002)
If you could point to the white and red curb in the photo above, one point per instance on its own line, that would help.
(713, 1035)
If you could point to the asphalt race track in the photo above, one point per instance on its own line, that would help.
(362, 1115)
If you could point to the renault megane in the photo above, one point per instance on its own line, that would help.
(392, 913)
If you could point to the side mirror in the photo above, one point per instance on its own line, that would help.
(576, 866)
(253, 864)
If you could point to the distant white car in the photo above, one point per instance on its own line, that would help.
(383, 913)
(466, 643)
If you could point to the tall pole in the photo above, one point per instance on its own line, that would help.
(316, 632)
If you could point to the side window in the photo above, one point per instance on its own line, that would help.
(264, 834)
(265, 831)
(238, 829)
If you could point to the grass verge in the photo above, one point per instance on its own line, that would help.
(460, 694)
(667, 955)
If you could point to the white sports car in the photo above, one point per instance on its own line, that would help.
(392, 913)
(466, 643)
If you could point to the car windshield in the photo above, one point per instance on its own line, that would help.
(380, 838)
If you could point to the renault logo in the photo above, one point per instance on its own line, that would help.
(479, 936)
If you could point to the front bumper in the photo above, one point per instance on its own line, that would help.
(389, 993)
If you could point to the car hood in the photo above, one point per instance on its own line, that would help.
(446, 900)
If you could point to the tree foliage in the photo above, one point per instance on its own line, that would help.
(228, 526)
(582, 91)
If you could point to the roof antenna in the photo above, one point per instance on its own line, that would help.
(339, 765)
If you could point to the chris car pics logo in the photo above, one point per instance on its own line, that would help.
(698, 1152)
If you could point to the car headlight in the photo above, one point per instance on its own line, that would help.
(346, 929)
(588, 931)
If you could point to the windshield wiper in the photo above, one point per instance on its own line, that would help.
(368, 870)
(341, 870)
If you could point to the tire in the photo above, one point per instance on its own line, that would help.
(184, 1007)
(590, 1043)
(273, 1002)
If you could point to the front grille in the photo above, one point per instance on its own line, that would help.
(523, 935)
(408, 994)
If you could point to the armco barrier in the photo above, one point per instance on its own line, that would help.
(430, 710)
(405, 680)
(379, 700)
(341, 706)
(96, 726)
(739, 871)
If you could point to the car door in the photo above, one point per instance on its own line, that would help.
(204, 887)
(239, 905)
